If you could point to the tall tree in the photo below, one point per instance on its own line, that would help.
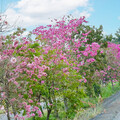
(117, 39)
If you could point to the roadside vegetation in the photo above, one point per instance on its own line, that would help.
(62, 71)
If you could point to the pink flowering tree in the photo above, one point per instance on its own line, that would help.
(111, 72)
(33, 76)
(49, 75)
(81, 44)
(113, 64)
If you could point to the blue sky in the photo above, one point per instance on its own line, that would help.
(32, 13)
(107, 13)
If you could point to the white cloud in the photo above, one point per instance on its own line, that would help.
(90, 9)
(119, 17)
(36, 12)
(85, 13)
(77, 13)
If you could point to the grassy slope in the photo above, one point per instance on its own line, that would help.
(107, 91)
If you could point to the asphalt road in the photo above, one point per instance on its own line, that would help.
(111, 109)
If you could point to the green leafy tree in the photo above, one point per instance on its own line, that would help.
(117, 38)
(88, 71)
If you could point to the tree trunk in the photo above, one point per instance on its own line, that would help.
(48, 114)
(65, 104)
(55, 106)
(56, 111)
(34, 118)
(49, 109)
(112, 84)
(14, 112)
(39, 98)
(7, 110)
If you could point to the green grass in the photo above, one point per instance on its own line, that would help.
(88, 113)
(42, 118)
(109, 90)
(2, 111)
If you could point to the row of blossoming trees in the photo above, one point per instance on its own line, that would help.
(64, 63)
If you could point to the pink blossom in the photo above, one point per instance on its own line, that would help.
(44, 74)
(24, 103)
(50, 104)
(39, 76)
(36, 108)
(56, 88)
(16, 42)
(30, 65)
(30, 101)
(2, 108)
(16, 83)
(85, 53)
(30, 91)
(85, 34)
(101, 51)
(67, 73)
(65, 70)
(20, 95)
(90, 60)
(39, 113)
(12, 100)
(78, 56)
(0, 57)
(42, 82)
(16, 116)
(13, 60)
(3, 95)
(38, 104)
(32, 114)
(85, 80)
(80, 80)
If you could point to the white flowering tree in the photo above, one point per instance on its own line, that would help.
(7, 64)
(4, 24)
